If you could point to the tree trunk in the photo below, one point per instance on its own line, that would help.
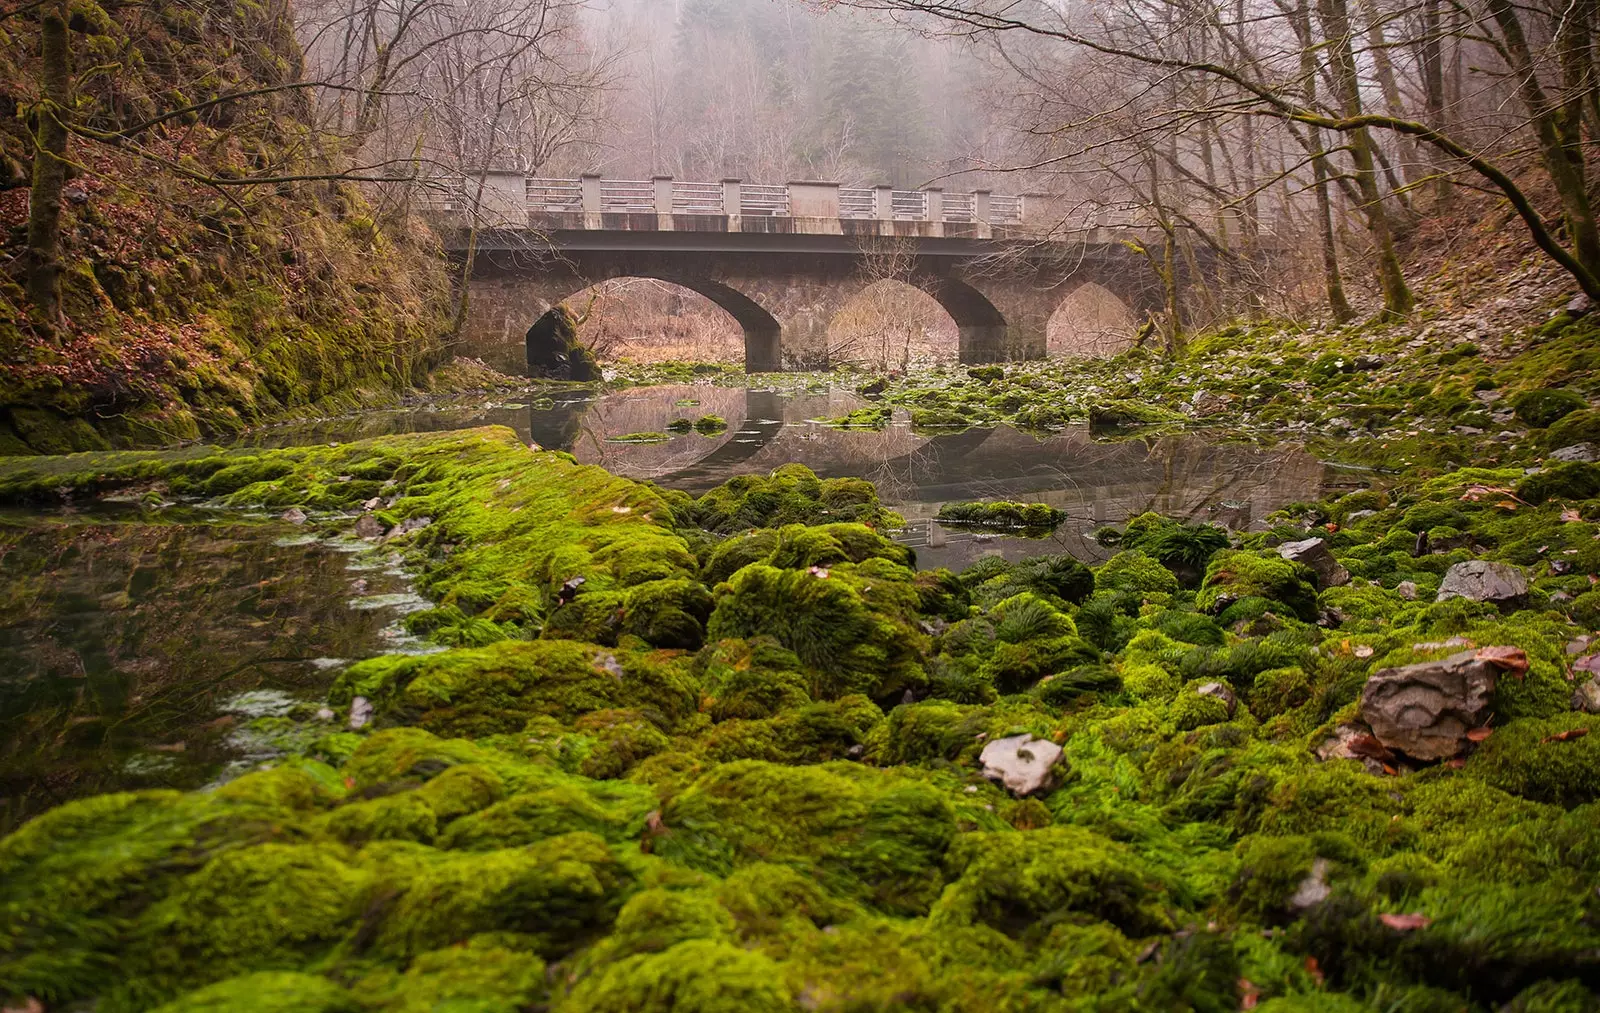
(1335, 18)
(1338, 305)
(1432, 63)
(1558, 126)
(43, 255)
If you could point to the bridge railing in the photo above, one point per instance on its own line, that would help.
(504, 197)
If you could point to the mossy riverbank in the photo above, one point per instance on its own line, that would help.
(724, 754)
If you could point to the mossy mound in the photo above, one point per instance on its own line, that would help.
(1031, 518)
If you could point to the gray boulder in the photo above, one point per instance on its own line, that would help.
(1020, 762)
(1313, 552)
(1586, 697)
(1479, 580)
(1406, 589)
(1425, 710)
(1581, 452)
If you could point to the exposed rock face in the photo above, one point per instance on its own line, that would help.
(1313, 552)
(1581, 452)
(1478, 580)
(1425, 710)
(1020, 762)
(554, 350)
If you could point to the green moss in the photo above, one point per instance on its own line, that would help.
(851, 625)
(1540, 408)
(790, 495)
(703, 976)
(561, 892)
(1015, 883)
(403, 817)
(269, 992)
(1135, 571)
(1233, 576)
(494, 689)
(1526, 758)
(1029, 517)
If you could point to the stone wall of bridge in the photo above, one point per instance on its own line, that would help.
(785, 301)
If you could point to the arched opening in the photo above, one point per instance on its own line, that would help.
(650, 320)
(1090, 323)
(984, 334)
(892, 325)
(653, 319)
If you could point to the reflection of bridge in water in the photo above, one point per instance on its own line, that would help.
(1094, 482)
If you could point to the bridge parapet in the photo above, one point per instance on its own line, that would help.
(662, 203)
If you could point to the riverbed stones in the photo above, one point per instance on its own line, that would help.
(1020, 762)
(1426, 710)
(1313, 552)
(1480, 580)
(368, 526)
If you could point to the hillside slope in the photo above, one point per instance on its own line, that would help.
(190, 307)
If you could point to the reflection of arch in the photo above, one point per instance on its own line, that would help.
(1091, 322)
(763, 419)
(761, 329)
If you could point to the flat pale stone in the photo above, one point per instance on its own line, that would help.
(1020, 762)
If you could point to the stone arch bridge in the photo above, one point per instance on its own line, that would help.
(782, 261)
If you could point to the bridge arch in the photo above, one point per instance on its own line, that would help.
(761, 329)
(1091, 321)
(888, 323)
(982, 329)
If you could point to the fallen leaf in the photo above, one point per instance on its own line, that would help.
(1249, 994)
(1364, 651)
(1512, 659)
(1368, 745)
(1456, 764)
(1479, 734)
(1405, 923)
(1331, 527)
(1566, 736)
(1506, 504)
(1315, 970)
(1570, 514)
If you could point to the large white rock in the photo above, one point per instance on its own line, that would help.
(1020, 762)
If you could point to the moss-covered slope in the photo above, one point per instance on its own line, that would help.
(741, 771)
(191, 308)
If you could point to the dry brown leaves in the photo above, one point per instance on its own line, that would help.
(1512, 659)
(1406, 923)
(1566, 736)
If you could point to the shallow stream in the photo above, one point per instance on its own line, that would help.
(147, 648)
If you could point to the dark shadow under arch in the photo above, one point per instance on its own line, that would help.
(982, 327)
